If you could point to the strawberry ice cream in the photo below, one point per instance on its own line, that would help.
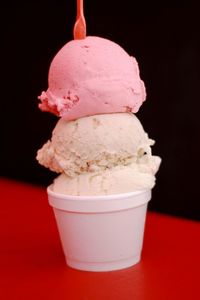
(92, 76)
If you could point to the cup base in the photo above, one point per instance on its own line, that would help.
(103, 266)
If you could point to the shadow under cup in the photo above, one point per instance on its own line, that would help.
(101, 233)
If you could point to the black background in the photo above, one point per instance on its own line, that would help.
(164, 38)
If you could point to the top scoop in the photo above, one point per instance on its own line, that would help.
(92, 76)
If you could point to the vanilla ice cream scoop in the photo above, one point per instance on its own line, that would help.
(117, 180)
(92, 76)
(95, 143)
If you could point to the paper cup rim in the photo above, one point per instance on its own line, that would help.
(100, 203)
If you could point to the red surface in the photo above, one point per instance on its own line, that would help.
(32, 264)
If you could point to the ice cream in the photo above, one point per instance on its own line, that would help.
(100, 155)
(118, 180)
(100, 151)
(92, 76)
(98, 146)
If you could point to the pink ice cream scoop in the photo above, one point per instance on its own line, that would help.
(92, 76)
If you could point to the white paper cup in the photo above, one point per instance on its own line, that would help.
(101, 233)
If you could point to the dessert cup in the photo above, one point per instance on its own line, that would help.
(101, 233)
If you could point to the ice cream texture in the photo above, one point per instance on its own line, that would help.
(99, 155)
(92, 76)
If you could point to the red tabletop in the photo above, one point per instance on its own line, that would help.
(32, 265)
